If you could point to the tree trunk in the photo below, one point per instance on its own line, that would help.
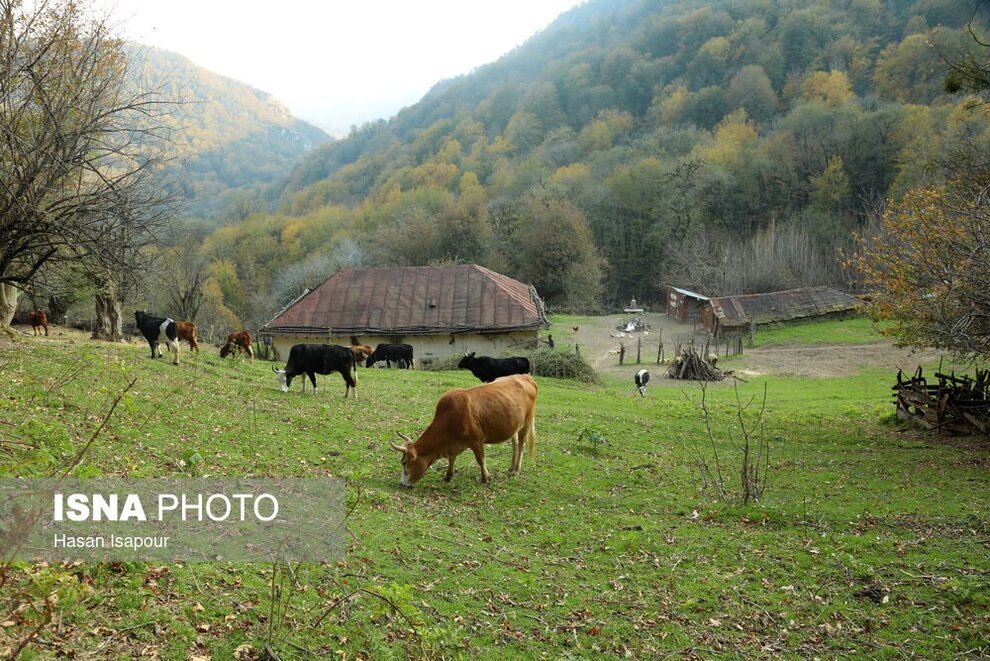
(109, 323)
(9, 296)
(58, 306)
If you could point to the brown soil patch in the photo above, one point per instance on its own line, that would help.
(822, 361)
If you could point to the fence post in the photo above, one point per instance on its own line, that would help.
(622, 352)
(660, 349)
(639, 347)
(577, 348)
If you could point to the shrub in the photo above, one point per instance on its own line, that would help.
(562, 365)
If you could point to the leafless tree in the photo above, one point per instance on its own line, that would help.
(80, 147)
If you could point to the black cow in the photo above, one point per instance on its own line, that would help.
(157, 330)
(401, 354)
(641, 379)
(488, 369)
(313, 359)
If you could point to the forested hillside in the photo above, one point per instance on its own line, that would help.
(232, 143)
(732, 147)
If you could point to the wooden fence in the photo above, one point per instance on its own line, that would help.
(951, 404)
(655, 351)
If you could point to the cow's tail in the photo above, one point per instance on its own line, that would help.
(531, 436)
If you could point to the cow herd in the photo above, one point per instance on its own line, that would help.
(501, 409)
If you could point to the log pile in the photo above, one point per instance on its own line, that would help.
(688, 364)
(953, 405)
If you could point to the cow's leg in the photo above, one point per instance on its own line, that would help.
(312, 377)
(450, 468)
(517, 443)
(479, 454)
(173, 348)
(154, 348)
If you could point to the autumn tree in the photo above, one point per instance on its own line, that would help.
(928, 267)
(77, 148)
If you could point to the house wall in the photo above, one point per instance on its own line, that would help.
(425, 347)
(683, 307)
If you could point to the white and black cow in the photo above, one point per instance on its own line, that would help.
(641, 379)
(313, 359)
(157, 330)
(400, 354)
(488, 369)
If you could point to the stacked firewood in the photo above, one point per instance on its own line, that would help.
(952, 405)
(689, 364)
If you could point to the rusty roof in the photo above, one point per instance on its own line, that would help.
(413, 300)
(781, 305)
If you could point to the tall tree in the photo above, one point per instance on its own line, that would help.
(78, 147)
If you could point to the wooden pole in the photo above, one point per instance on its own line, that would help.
(639, 347)
(622, 352)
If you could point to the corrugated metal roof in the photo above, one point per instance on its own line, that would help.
(688, 292)
(781, 305)
(404, 300)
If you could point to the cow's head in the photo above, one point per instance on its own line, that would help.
(284, 380)
(226, 349)
(414, 466)
(370, 360)
(466, 361)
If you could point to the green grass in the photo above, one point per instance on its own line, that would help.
(871, 541)
(855, 330)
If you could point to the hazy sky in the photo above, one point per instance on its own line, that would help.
(332, 62)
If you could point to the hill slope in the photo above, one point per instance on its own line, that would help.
(233, 141)
(728, 148)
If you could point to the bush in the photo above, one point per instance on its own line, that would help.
(542, 362)
(562, 365)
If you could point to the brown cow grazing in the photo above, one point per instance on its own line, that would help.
(241, 340)
(187, 333)
(38, 319)
(468, 419)
(361, 351)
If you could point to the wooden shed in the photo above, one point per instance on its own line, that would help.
(439, 310)
(727, 314)
(685, 305)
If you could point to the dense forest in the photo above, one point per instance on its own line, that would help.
(733, 147)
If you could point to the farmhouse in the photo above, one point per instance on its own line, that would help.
(728, 314)
(685, 305)
(439, 310)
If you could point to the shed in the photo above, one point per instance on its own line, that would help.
(726, 314)
(439, 310)
(684, 304)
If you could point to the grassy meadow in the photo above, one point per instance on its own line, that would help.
(871, 540)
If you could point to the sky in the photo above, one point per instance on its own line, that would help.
(337, 63)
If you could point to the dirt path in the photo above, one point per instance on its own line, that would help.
(599, 340)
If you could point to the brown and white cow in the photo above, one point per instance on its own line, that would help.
(38, 319)
(241, 340)
(187, 333)
(470, 418)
